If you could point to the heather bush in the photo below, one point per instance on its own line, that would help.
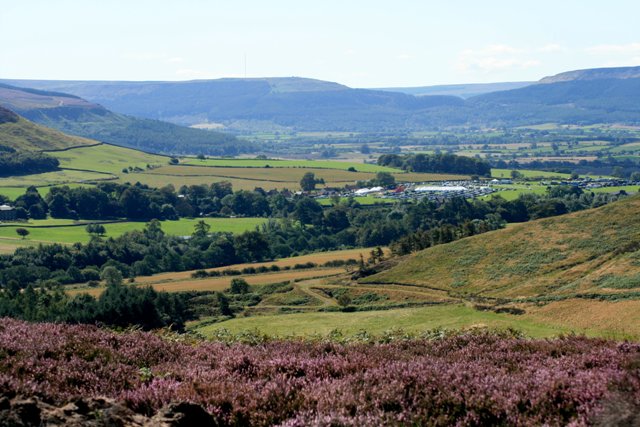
(442, 379)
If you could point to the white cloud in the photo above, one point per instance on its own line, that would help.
(190, 73)
(493, 58)
(614, 49)
(404, 56)
(551, 48)
(152, 56)
(631, 62)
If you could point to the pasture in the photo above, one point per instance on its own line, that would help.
(87, 165)
(107, 158)
(15, 192)
(450, 316)
(64, 176)
(68, 231)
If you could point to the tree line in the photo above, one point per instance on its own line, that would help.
(119, 305)
(140, 202)
(26, 163)
(437, 163)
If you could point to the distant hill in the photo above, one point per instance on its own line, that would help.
(74, 115)
(461, 90)
(594, 74)
(594, 252)
(605, 95)
(298, 103)
(20, 134)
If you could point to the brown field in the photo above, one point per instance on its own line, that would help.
(178, 181)
(620, 319)
(263, 174)
(266, 178)
(554, 159)
(222, 283)
(318, 258)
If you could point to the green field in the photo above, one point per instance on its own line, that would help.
(276, 163)
(513, 191)
(87, 165)
(14, 192)
(107, 158)
(69, 233)
(628, 188)
(60, 177)
(376, 322)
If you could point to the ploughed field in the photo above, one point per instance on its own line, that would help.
(461, 379)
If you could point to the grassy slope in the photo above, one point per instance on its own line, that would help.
(107, 158)
(24, 135)
(550, 262)
(590, 251)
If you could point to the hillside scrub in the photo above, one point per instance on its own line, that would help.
(464, 379)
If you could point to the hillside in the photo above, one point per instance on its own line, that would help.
(20, 134)
(73, 115)
(462, 90)
(605, 95)
(594, 74)
(269, 102)
(590, 252)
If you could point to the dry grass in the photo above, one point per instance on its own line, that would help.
(318, 258)
(618, 319)
(557, 256)
(222, 283)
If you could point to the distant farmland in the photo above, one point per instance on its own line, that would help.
(276, 163)
(93, 164)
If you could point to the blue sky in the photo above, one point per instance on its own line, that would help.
(358, 43)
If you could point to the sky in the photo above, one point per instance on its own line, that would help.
(369, 43)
